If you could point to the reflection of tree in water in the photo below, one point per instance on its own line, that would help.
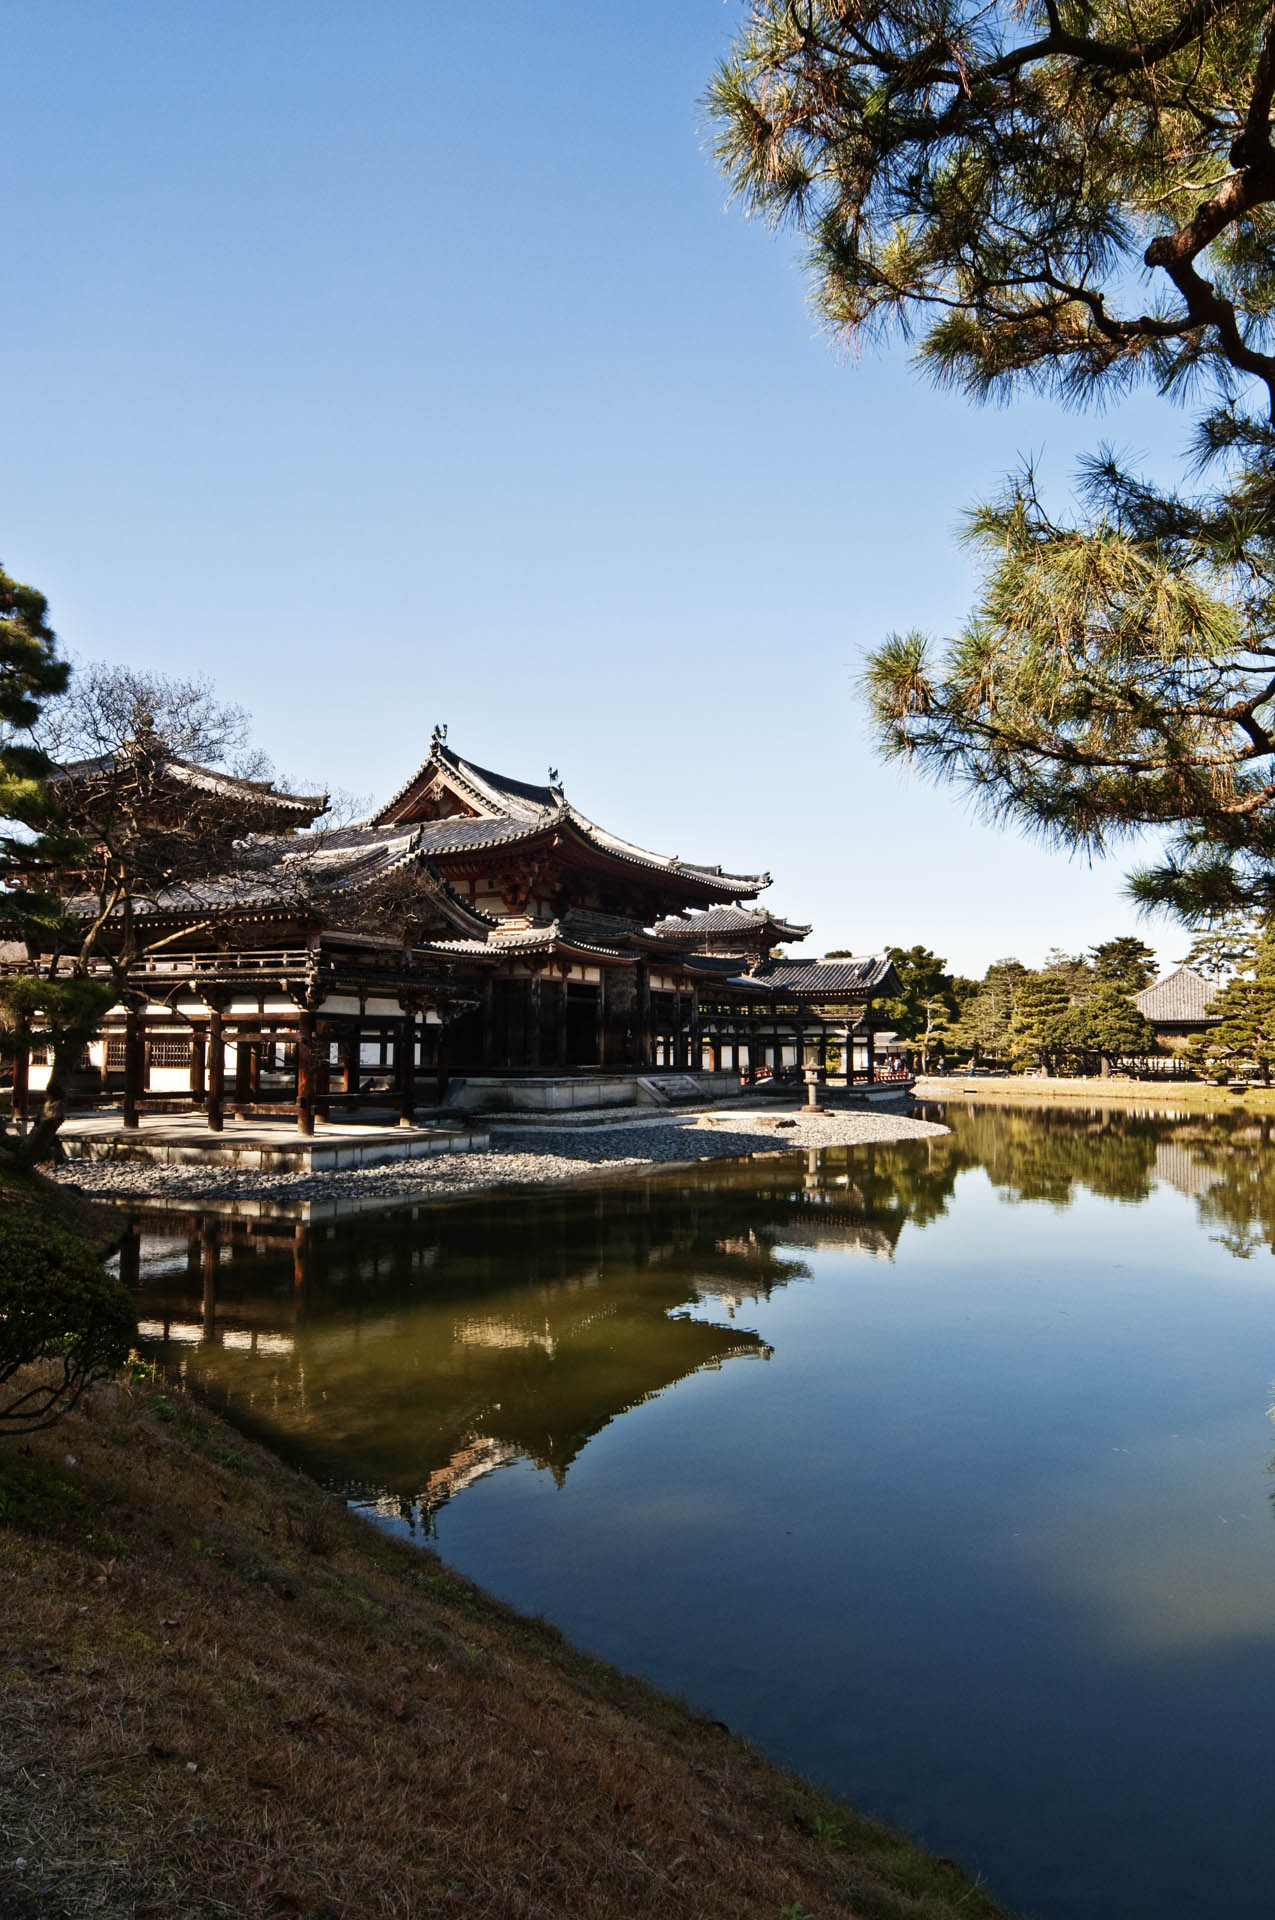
(1222, 1161)
(411, 1352)
(1237, 1198)
(1049, 1156)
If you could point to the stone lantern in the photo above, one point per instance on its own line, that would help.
(813, 1073)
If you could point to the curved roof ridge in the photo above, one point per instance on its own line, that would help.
(670, 862)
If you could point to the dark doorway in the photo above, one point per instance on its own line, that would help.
(582, 1026)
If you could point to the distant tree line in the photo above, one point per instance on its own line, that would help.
(1076, 1011)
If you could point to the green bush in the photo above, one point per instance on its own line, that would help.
(58, 1306)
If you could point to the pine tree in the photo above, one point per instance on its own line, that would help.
(982, 1024)
(1245, 1009)
(1041, 1004)
(34, 847)
(30, 674)
(1073, 196)
(1108, 1024)
(1127, 963)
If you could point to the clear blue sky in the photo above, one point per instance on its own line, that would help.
(401, 363)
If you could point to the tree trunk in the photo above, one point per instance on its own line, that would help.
(41, 1143)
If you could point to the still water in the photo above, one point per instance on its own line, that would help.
(941, 1470)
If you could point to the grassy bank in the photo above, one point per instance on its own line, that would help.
(57, 1205)
(1190, 1096)
(227, 1696)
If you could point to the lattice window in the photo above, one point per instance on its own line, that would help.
(115, 1053)
(170, 1050)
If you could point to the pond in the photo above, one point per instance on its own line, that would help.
(941, 1470)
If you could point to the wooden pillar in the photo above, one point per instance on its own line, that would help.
(305, 1071)
(134, 1061)
(243, 1076)
(441, 1073)
(489, 1023)
(254, 1069)
(322, 1074)
(198, 1065)
(534, 1015)
(600, 1019)
(872, 1051)
(697, 1034)
(561, 1049)
(216, 1070)
(348, 1050)
(406, 1065)
(22, 1077)
(643, 1014)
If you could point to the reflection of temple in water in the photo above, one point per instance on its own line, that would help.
(406, 1355)
(401, 1357)
(1179, 1164)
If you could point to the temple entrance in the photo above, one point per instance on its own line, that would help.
(583, 1048)
(512, 1038)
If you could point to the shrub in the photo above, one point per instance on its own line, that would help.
(59, 1307)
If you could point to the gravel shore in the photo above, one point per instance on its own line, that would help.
(519, 1156)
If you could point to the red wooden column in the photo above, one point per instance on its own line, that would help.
(405, 1062)
(216, 1070)
(441, 1070)
(305, 1071)
(134, 1066)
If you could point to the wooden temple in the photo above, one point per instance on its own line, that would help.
(476, 928)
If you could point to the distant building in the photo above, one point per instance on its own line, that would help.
(1178, 1006)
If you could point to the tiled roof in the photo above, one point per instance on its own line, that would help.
(256, 794)
(874, 973)
(512, 810)
(548, 939)
(299, 872)
(510, 792)
(1181, 999)
(684, 927)
(494, 791)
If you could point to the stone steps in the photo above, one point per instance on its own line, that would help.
(673, 1089)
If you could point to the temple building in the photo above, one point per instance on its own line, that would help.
(479, 938)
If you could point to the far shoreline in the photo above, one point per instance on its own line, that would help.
(1195, 1095)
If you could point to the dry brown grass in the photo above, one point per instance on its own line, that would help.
(223, 1695)
(1191, 1095)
